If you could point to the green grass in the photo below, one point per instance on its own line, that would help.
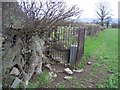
(106, 45)
(40, 81)
(60, 86)
(95, 66)
(91, 44)
(110, 55)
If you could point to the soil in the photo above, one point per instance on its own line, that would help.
(85, 79)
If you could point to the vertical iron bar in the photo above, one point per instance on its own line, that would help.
(81, 35)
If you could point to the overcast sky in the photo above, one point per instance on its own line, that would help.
(88, 7)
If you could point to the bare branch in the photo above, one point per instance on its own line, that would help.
(47, 14)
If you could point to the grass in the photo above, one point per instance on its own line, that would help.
(107, 45)
(40, 81)
(110, 56)
(95, 66)
(91, 44)
(60, 86)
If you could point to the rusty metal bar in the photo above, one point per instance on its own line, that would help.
(80, 48)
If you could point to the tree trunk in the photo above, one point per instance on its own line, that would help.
(102, 23)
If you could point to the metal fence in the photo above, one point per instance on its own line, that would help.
(66, 44)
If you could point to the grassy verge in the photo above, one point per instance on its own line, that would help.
(91, 44)
(107, 54)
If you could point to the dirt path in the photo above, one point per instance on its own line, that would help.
(89, 78)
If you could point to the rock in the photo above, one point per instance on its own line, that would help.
(89, 63)
(15, 71)
(111, 72)
(52, 63)
(35, 60)
(67, 65)
(48, 66)
(52, 74)
(78, 71)
(90, 86)
(68, 77)
(61, 62)
(16, 82)
(38, 68)
(68, 71)
(0, 87)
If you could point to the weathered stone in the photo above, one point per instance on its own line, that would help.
(89, 63)
(38, 68)
(111, 72)
(52, 74)
(0, 87)
(35, 63)
(78, 71)
(48, 66)
(61, 62)
(68, 71)
(1, 38)
(11, 56)
(68, 77)
(15, 71)
(66, 65)
(15, 83)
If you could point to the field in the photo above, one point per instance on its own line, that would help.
(102, 52)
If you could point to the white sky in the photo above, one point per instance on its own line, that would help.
(88, 7)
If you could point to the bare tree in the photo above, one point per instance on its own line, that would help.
(103, 11)
(108, 20)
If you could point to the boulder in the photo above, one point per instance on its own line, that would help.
(78, 71)
(16, 82)
(38, 68)
(68, 77)
(89, 63)
(15, 71)
(68, 71)
(52, 74)
(48, 66)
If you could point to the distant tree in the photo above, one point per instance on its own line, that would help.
(95, 21)
(103, 11)
(115, 25)
(108, 19)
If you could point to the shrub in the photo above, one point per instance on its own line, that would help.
(114, 25)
